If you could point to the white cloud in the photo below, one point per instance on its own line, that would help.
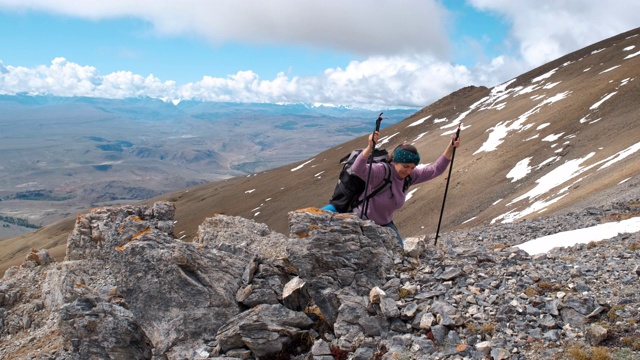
(65, 78)
(547, 29)
(374, 82)
(401, 45)
(352, 26)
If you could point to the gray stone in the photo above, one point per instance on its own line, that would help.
(573, 317)
(264, 329)
(389, 308)
(500, 354)
(324, 245)
(409, 311)
(448, 274)
(363, 353)
(596, 334)
(439, 333)
(321, 348)
(551, 335)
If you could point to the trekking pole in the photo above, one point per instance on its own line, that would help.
(365, 206)
(447, 187)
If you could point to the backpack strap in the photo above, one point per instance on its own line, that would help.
(384, 185)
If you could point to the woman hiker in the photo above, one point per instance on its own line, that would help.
(404, 162)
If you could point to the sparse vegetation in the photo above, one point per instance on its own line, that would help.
(620, 216)
(600, 353)
(488, 328)
(530, 291)
(39, 195)
(631, 342)
(403, 293)
(546, 287)
(578, 352)
(471, 327)
(624, 354)
(18, 222)
(612, 315)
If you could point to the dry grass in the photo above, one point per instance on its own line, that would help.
(577, 352)
(600, 353)
(499, 247)
(612, 315)
(530, 292)
(545, 287)
(488, 328)
(631, 342)
(620, 217)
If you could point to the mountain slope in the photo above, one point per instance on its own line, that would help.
(559, 137)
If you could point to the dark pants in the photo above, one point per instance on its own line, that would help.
(393, 226)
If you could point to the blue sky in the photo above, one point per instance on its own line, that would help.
(342, 52)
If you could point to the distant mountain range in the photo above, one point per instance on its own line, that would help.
(561, 137)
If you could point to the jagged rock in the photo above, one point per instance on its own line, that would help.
(339, 254)
(128, 289)
(500, 354)
(427, 320)
(355, 321)
(256, 238)
(448, 274)
(321, 350)
(375, 294)
(409, 311)
(389, 308)
(150, 290)
(294, 295)
(414, 247)
(265, 330)
(596, 334)
(97, 329)
(37, 258)
(439, 333)
(484, 347)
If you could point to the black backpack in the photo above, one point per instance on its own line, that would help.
(350, 186)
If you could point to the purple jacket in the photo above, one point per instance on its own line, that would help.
(383, 205)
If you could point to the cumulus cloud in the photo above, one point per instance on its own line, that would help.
(545, 30)
(64, 78)
(375, 82)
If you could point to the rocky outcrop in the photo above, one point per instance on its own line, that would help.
(337, 287)
(339, 255)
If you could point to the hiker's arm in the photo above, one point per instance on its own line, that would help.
(448, 152)
(373, 139)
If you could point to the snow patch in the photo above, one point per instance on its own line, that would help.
(418, 122)
(580, 236)
(301, 165)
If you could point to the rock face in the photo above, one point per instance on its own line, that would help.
(337, 287)
(339, 255)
